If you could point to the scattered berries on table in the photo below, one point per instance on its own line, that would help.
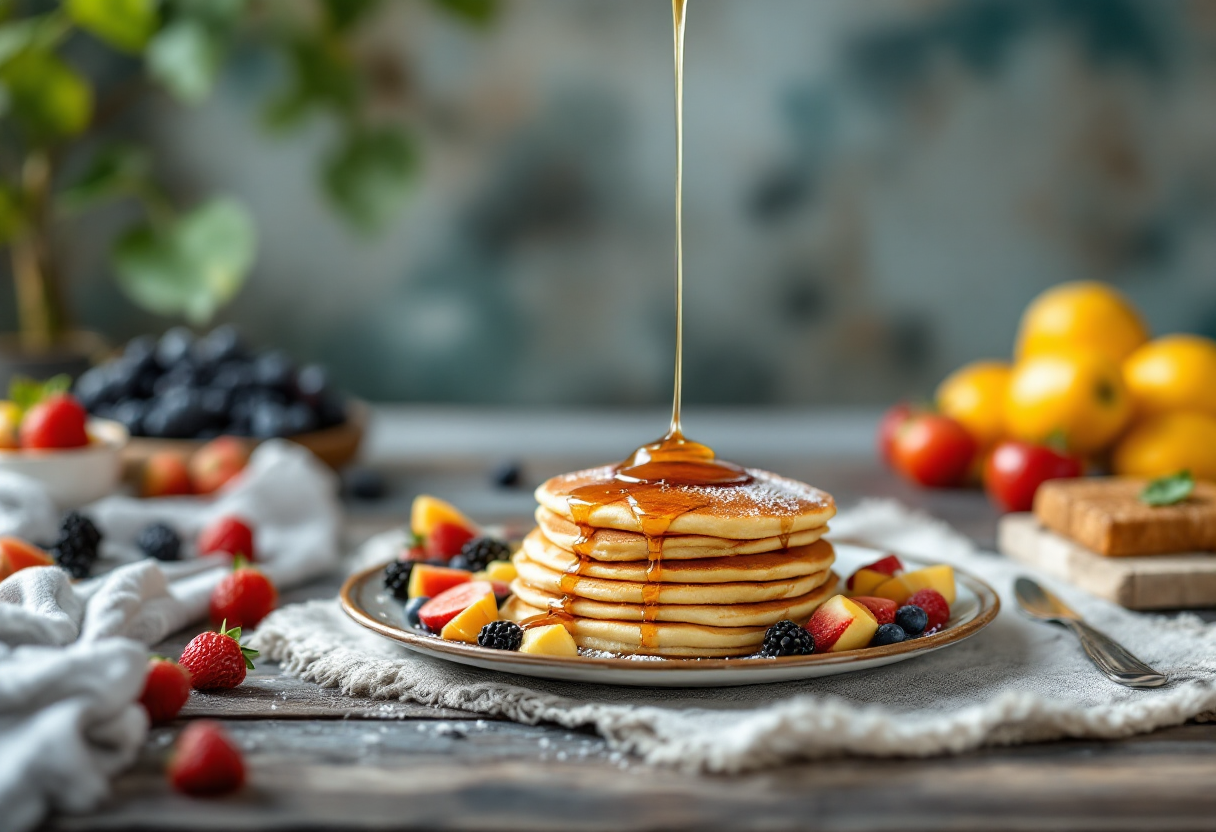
(478, 553)
(397, 578)
(935, 606)
(243, 597)
(216, 660)
(411, 611)
(785, 638)
(205, 761)
(888, 634)
(160, 541)
(227, 534)
(501, 635)
(912, 619)
(77, 547)
(166, 689)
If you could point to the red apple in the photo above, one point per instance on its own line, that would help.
(166, 475)
(217, 462)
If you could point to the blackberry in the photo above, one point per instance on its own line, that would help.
(785, 638)
(158, 540)
(397, 578)
(912, 619)
(888, 634)
(501, 635)
(479, 551)
(76, 549)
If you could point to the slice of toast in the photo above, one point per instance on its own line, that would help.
(1105, 515)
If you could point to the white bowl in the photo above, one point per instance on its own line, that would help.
(75, 476)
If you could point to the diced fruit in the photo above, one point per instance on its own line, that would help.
(166, 475)
(433, 581)
(166, 689)
(205, 761)
(912, 619)
(243, 597)
(883, 608)
(228, 534)
(865, 581)
(934, 605)
(445, 540)
(551, 640)
(886, 567)
(446, 605)
(888, 634)
(216, 660)
(16, 555)
(10, 426)
(467, 625)
(841, 624)
(933, 450)
(900, 588)
(58, 421)
(502, 571)
(217, 462)
(428, 512)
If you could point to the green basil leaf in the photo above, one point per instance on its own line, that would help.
(126, 25)
(1168, 491)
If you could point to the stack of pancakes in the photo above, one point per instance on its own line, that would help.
(733, 560)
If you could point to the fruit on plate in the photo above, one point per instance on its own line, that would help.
(889, 633)
(228, 534)
(501, 635)
(397, 578)
(933, 450)
(445, 540)
(216, 463)
(446, 605)
(56, 422)
(1077, 396)
(166, 689)
(502, 571)
(1176, 372)
(16, 555)
(205, 761)
(243, 597)
(550, 640)
(467, 624)
(10, 426)
(841, 624)
(476, 554)
(427, 512)
(786, 638)
(217, 660)
(1084, 314)
(166, 474)
(902, 587)
(873, 575)
(883, 608)
(410, 611)
(1015, 470)
(433, 581)
(935, 606)
(911, 619)
(974, 396)
(1166, 444)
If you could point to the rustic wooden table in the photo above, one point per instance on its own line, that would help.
(319, 760)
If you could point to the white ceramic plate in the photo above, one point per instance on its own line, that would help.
(75, 476)
(365, 600)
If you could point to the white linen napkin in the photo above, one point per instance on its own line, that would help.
(73, 656)
(1016, 681)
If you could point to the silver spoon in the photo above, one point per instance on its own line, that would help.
(1110, 657)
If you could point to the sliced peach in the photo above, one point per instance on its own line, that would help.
(16, 555)
(865, 581)
(551, 640)
(902, 587)
(428, 512)
(468, 624)
(502, 571)
(841, 624)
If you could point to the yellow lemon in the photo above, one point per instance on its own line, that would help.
(10, 424)
(1168, 443)
(1085, 315)
(975, 396)
(1177, 372)
(1078, 395)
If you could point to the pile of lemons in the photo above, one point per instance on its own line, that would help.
(1086, 376)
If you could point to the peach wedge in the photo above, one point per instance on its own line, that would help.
(841, 624)
(902, 587)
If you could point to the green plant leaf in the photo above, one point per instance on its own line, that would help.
(115, 170)
(369, 176)
(31, 33)
(48, 97)
(343, 15)
(1168, 491)
(322, 75)
(127, 25)
(476, 11)
(26, 392)
(192, 266)
(12, 213)
(184, 57)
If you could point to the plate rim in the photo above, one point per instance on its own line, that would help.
(989, 599)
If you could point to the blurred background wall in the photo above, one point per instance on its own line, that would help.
(874, 190)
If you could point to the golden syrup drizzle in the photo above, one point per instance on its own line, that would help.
(678, 21)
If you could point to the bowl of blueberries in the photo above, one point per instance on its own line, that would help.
(180, 390)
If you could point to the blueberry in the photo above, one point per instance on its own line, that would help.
(219, 345)
(411, 611)
(141, 350)
(176, 415)
(233, 375)
(435, 562)
(215, 402)
(131, 414)
(888, 634)
(93, 388)
(458, 562)
(312, 382)
(508, 475)
(274, 370)
(300, 419)
(268, 420)
(174, 347)
(912, 618)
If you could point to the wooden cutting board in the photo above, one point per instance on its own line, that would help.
(1154, 582)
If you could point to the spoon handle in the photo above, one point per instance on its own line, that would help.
(1113, 659)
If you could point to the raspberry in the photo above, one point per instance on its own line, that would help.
(501, 635)
(785, 638)
(935, 606)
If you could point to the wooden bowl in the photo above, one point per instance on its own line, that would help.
(334, 446)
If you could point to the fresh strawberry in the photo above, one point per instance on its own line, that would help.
(57, 421)
(217, 660)
(935, 606)
(447, 539)
(205, 761)
(243, 597)
(166, 689)
(227, 534)
(883, 608)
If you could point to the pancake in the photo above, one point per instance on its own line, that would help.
(770, 566)
(616, 545)
(729, 616)
(767, 506)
